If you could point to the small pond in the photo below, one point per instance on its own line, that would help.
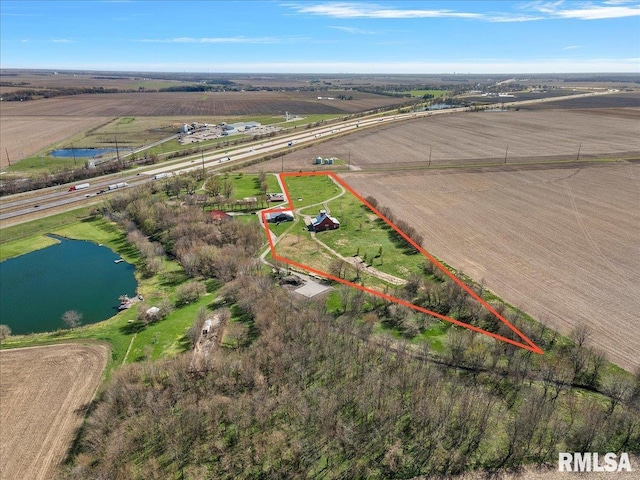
(39, 287)
(81, 152)
(440, 106)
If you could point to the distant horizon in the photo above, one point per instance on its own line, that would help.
(322, 36)
(256, 73)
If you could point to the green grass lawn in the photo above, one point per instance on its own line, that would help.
(30, 236)
(435, 93)
(361, 232)
(248, 185)
(364, 234)
(39, 164)
(16, 248)
(310, 190)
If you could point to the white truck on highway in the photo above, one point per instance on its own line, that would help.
(115, 186)
(80, 186)
(162, 175)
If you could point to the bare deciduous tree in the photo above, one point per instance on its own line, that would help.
(5, 332)
(581, 335)
(72, 319)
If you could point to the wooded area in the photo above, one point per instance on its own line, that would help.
(305, 392)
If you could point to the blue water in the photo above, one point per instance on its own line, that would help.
(81, 152)
(439, 106)
(37, 288)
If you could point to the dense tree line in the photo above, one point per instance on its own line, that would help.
(203, 246)
(314, 395)
(31, 94)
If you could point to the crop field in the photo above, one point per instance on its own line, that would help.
(44, 392)
(477, 138)
(615, 101)
(194, 103)
(32, 80)
(561, 244)
(24, 136)
(28, 127)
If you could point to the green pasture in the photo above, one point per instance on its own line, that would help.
(248, 185)
(364, 234)
(45, 164)
(310, 190)
(30, 236)
(435, 93)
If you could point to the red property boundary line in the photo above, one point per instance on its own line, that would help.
(527, 345)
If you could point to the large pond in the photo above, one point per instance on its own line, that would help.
(39, 287)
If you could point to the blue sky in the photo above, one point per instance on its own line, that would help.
(309, 36)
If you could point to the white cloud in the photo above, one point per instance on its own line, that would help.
(588, 11)
(572, 47)
(61, 40)
(355, 31)
(362, 10)
(527, 12)
(505, 18)
(214, 40)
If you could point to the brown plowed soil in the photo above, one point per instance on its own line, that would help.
(28, 127)
(43, 395)
(559, 243)
(479, 138)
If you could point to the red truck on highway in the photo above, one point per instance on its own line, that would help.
(80, 186)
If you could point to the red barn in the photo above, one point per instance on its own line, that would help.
(324, 222)
(219, 215)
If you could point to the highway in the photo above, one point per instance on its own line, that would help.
(42, 203)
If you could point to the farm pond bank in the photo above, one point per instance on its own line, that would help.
(39, 287)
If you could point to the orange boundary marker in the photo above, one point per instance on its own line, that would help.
(527, 345)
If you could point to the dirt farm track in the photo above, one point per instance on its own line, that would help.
(559, 243)
(43, 392)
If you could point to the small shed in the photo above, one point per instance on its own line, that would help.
(206, 328)
(275, 197)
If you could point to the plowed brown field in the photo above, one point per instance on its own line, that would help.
(43, 392)
(559, 243)
(28, 127)
(475, 138)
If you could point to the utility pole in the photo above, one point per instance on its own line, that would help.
(282, 160)
(579, 147)
(73, 152)
(349, 160)
(118, 152)
(505, 153)
(8, 159)
(202, 155)
(429, 155)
